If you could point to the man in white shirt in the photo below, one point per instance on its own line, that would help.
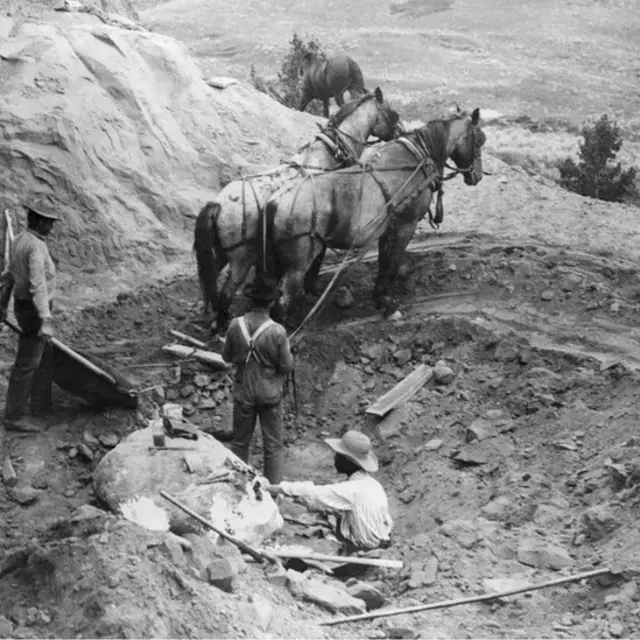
(360, 503)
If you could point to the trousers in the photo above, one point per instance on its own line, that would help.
(244, 424)
(32, 372)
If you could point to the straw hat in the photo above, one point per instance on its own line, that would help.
(357, 447)
(42, 207)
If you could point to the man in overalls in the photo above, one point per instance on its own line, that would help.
(259, 348)
(31, 277)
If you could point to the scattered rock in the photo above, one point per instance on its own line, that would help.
(463, 532)
(400, 633)
(222, 574)
(597, 522)
(430, 570)
(259, 609)
(498, 508)
(402, 357)
(344, 298)
(108, 440)
(201, 380)
(471, 454)
(158, 394)
(616, 630)
(277, 574)
(332, 597)
(480, 429)
(543, 555)
(433, 445)
(24, 495)
(90, 439)
(442, 373)
(368, 592)
(73, 452)
(6, 627)
(186, 391)
(497, 585)
(372, 351)
(84, 451)
(547, 295)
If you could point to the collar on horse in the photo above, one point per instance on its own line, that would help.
(340, 146)
(421, 152)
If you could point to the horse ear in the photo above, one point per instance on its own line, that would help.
(458, 110)
(475, 116)
(378, 94)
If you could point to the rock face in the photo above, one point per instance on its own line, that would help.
(120, 130)
(131, 474)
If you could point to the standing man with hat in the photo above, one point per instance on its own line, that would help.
(259, 348)
(31, 276)
(360, 503)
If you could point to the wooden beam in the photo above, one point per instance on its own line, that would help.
(321, 557)
(208, 357)
(401, 392)
(183, 336)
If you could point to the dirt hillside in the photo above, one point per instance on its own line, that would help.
(118, 126)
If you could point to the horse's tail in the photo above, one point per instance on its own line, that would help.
(205, 239)
(356, 79)
(266, 256)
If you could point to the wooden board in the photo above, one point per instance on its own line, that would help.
(208, 357)
(401, 392)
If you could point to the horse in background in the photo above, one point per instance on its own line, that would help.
(330, 78)
(381, 200)
(226, 231)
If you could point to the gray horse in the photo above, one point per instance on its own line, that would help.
(330, 78)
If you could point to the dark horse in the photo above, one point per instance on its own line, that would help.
(382, 200)
(330, 78)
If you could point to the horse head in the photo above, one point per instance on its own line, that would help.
(387, 120)
(465, 145)
(307, 60)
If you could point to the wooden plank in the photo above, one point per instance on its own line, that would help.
(401, 392)
(183, 336)
(207, 357)
(321, 557)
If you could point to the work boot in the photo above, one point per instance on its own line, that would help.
(22, 425)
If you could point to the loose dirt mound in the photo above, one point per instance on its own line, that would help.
(118, 127)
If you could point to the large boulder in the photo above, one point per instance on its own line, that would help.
(119, 128)
(132, 475)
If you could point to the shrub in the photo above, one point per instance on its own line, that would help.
(288, 89)
(596, 174)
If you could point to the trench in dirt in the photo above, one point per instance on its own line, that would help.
(531, 332)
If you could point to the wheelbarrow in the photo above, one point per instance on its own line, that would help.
(88, 377)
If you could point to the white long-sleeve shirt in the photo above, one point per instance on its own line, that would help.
(360, 501)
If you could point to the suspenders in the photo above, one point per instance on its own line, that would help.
(251, 339)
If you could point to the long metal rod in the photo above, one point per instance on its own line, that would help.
(454, 603)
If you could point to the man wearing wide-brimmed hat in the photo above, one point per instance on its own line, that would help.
(259, 348)
(31, 276)
(360, 503)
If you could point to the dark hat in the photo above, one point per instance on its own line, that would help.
(43, 208)
(263, 289)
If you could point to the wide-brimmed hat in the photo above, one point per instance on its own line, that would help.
(41, 207)
(263, 289)
(357, 447)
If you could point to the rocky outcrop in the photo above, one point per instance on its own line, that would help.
(118, 128)
(129, 478)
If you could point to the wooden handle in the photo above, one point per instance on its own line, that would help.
(243, 546)
(71, 353)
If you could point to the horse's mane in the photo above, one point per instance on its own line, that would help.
(347, 109)
(435, 135)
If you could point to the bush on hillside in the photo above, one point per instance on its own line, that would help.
(597, 174)
(288, 88)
